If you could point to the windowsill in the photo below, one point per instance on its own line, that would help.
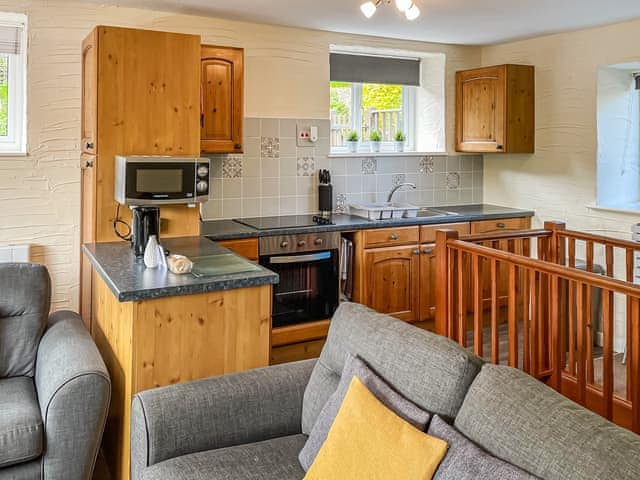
(384, 154)
(631, 208)
(12, 154)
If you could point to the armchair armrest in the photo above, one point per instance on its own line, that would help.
(217, 412)
(73, 391)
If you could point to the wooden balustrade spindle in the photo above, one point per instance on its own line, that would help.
(572, 252)
(572, 327)
(633, 364)
(580, 341)
(533, 285)
(495, 332)
(477, 305)
(607, 363)
(589, 332)
(526, 334)
(462, 311)
(629, 259)
(556, 347)
(512, 320)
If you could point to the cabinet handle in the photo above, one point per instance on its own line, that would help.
(416, 251)
(499, 147)
(500, 225)
(428, 251)
(393, 236)
(89, 145)
(238, 146)
(88, 164)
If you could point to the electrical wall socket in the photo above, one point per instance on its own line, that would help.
(307, 135)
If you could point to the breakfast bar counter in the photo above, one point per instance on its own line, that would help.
(155, 328)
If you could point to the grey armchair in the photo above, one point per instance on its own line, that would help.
(54, 386)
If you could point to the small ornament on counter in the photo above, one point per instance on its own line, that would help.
(151, 255)
(179, 264)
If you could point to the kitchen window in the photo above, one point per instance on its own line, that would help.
(369, 107)
(13, 62)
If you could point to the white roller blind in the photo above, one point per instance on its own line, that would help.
(11, 39)
(371, 69)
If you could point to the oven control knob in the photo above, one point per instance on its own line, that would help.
(301, 243)
(318, 241)
(202, 186)
(284, 244)
(203, 171)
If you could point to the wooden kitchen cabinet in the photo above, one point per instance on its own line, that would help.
(428, 282)
(391, 281)
(221, 89)
(245, 247)
(495, 109)
(140, 96)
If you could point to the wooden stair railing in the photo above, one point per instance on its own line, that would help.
(548, 314)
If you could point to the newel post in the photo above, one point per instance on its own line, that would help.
(444, 284)
(556, 248)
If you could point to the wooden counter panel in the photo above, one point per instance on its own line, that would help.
(169, 340)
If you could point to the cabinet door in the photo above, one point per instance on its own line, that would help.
(428, 282)
(392, 277)
(222, 90)
(89, 94)
(480, 110)
(87, 229)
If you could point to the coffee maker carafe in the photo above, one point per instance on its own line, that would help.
(146, 222)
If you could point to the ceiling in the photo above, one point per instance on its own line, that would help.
(447, 21)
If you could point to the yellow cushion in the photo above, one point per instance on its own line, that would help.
(368, 441)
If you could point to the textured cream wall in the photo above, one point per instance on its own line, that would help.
(286, 76)
(559, 180)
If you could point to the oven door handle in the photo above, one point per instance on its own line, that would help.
(313, 257)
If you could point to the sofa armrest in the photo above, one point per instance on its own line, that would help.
(217, 412)
(73, 391)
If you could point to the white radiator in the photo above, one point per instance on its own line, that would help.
(15, 253)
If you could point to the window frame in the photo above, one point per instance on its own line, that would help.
(15, 143)
(355, 119)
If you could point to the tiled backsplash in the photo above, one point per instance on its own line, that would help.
(276, 177)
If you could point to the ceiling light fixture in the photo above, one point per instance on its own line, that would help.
(410, 9)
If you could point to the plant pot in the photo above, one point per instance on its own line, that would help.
(375, 146)
(352, 146)
(399, 146)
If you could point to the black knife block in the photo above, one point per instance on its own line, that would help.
(325, 199)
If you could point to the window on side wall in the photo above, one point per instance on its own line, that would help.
(13, 56)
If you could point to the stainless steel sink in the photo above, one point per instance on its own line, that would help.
(425, 212)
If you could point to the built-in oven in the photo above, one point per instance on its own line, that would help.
(309, 277)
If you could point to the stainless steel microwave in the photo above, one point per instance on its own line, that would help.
(160, 180)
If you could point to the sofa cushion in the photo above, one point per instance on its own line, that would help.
(356, 367)
(275, 459)
(467, 461)
(24, 308)
(521, 420)
(369, 441)
(431, 371)
(20, 421)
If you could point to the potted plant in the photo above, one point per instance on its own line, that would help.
(374, 140)
(352, 141)
(399, 141)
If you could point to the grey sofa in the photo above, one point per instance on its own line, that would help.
(252, 425)
(54, 387)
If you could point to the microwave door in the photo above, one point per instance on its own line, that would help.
(158, 182)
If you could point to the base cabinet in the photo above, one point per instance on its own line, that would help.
(392, 281)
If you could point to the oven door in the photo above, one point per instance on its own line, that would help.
(308, 288)
(160, 182)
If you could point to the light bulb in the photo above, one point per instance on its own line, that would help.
(412, 12)
(368, 9)
(403, 5)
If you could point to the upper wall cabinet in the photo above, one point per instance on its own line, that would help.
(222, 79)
(495, 110)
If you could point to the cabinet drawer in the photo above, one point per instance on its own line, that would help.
(296, 352)
(388, 237)
(246, 247)
(501, 225)
(428, 232)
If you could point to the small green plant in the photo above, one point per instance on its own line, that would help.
(400, 137)
(375, 136)
(353, 136)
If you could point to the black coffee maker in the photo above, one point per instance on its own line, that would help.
(145, 222)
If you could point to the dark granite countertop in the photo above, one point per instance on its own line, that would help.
(129, 280)
(228, 229)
